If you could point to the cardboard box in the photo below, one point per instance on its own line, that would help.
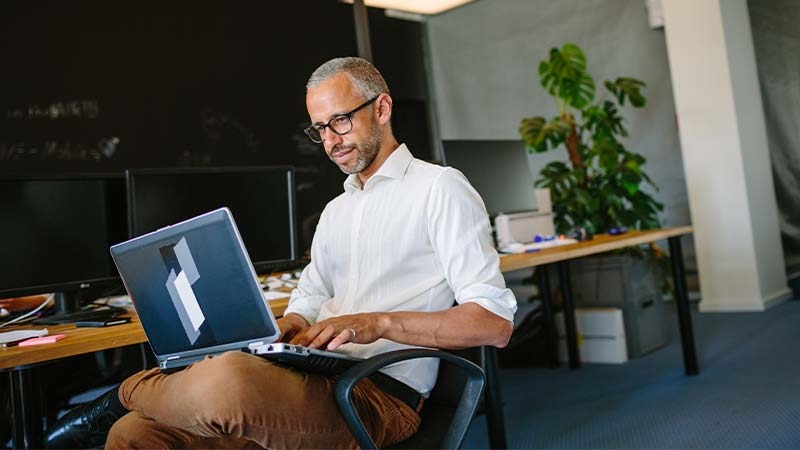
(601, 335)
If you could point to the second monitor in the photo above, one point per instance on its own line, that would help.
(262, 200)
(498, 170)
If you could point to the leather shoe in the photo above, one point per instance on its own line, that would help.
(85, 426)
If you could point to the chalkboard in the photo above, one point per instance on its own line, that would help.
(96, 86)
(111, 85)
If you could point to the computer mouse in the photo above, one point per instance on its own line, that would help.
(514, 247)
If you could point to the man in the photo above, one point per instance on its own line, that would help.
(389, 257)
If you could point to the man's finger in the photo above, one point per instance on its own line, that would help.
(323, 337)
(342, 338)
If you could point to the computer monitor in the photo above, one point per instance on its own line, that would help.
(498, 170)
(261, 198)
(55, 232)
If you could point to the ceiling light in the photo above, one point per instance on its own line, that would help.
(415, 6)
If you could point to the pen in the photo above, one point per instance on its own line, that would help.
(14, 343)
(103, 323)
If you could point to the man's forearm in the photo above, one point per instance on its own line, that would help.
(466, 325)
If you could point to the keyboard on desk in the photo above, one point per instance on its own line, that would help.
(282, 266)
(101, 313)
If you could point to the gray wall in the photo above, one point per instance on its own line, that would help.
(484, 58)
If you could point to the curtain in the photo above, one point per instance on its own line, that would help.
(776, 38)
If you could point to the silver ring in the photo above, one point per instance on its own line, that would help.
(353, 332)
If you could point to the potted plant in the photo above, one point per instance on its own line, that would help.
(600, 187)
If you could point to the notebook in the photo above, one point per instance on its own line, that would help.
(197, 294)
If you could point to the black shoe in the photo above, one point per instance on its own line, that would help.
(85, 426)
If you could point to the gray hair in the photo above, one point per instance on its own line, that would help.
(367, 80)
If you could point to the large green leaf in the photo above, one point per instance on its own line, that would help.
(604, 122)
(607, 154)
(629, 88)
(540, 136)
(565, 76)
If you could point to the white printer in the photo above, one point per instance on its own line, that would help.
(522, 227)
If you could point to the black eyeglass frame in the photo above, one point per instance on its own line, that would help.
(319, 127)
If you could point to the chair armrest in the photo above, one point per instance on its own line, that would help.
(343, 388)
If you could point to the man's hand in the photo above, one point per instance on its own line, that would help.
(290, 325)
(331, 333)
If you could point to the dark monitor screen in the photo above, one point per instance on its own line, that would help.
(261, 199)
(55, 233)
(498, 170)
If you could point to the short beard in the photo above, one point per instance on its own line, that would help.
(367, 151)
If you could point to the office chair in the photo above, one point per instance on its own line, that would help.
(445, 415)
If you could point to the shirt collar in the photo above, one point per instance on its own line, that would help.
(394, 167)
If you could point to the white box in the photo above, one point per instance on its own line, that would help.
(601, 335)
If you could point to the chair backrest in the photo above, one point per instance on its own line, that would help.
(439, 424)
(446, 414)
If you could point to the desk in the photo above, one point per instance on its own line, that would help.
(560, 256)
(19, 362)
(28, 418)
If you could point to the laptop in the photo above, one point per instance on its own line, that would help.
(197, 294)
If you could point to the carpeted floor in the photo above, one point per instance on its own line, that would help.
(747, 395)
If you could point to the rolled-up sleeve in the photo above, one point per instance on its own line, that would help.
(461, 237)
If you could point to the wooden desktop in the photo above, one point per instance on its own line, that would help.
(87, 340)
(19, 362)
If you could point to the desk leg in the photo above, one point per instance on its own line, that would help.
(549, 322)
(570, 330)
(26, 410)
(682, 303)
(493, 401)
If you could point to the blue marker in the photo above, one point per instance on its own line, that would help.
(617, 230)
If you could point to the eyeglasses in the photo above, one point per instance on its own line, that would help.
(341, 124)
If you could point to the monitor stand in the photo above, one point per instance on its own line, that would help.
(66, 302)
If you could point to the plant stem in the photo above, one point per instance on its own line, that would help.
(573, 143)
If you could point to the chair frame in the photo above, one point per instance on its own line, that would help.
(465, 411)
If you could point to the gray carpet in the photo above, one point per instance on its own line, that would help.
(747, 395)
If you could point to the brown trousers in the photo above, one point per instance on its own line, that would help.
(237, 400)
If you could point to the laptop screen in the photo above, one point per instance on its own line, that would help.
(193, 286)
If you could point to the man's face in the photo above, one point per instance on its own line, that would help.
(356, 150)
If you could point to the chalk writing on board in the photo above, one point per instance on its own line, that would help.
(69, 109)
(63, 150)
(29, 148)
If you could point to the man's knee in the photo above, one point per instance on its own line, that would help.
(134, 430)
(129, 430)
(230, 377)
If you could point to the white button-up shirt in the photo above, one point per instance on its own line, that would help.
(415, 238)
